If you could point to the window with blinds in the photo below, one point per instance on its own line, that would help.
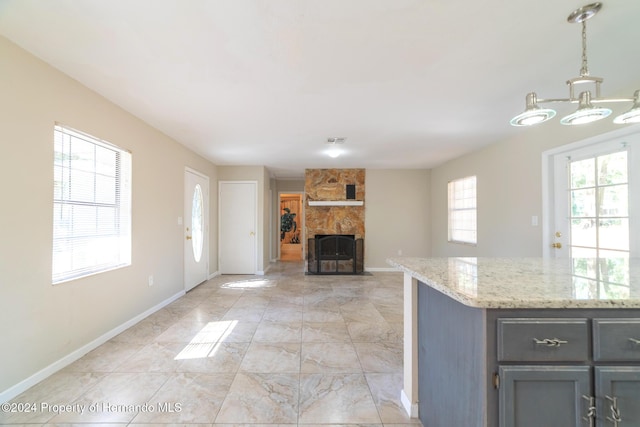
(91, 205)
(462, 210)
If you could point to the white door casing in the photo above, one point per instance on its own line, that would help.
(557, 207)
(237, 227)
(195, 228)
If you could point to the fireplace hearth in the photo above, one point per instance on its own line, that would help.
(335, 254)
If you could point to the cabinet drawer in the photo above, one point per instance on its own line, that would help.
(616, 339)
(543, 340)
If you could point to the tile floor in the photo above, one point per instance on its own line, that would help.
(283, 349)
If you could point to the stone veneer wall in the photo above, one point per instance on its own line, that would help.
(331, 185)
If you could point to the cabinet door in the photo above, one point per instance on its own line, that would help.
(549, 396)
(618, 396)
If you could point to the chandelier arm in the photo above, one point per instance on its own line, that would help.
(576, 100)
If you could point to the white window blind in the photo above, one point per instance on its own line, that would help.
(462, 210)
(91, 205)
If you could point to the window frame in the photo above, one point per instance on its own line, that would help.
(91, 221)
(458, 206)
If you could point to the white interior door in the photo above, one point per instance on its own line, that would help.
(237, 218)
(196, 229)
(596, 208)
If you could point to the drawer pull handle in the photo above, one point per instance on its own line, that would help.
(615, 417)
(591, 410)
(550, 342)
(635, 341)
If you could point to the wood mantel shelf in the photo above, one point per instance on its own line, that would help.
(336, 202)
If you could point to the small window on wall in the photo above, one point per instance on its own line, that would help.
(462, 210)
(91, 205)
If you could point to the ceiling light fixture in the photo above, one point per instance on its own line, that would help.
(586, 112)
(334, 151)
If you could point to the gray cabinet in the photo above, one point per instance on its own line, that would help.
(618, 395)
(526, 367)
(565, 383)
(549, 396)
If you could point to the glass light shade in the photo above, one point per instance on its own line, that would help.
(586, 112)
(633, 115)
(532, 117)
(585, 115)
(532, 114)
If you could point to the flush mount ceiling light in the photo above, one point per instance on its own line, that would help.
(334, 141)
(586, 112)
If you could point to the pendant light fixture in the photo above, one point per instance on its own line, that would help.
(587, 112)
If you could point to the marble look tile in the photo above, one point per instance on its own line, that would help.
(143, 332)
(380, 356)
(325, 332)
(181, 331)
(188, 398)
(278, 332)
(261, 398)
(113, 397)
(272, 358)
(361, 312)
(329, 358)
(104, 358)
(247, 314)
(205, 313)
(254, 425)
(343, 425)
(385, 389)
(242, 331)
(334, 399)
(322, 315)
(59, 389)
(154, 357)
(372, 332)
(282, 314)
(219, 357)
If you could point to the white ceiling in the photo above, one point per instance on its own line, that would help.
(410, 83)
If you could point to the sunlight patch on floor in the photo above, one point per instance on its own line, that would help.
(250, 284)
(207, 340)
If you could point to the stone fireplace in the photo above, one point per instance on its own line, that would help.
(334, 220)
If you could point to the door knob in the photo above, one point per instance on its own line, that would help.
(252, 234)
(557, 245)
(188, 237)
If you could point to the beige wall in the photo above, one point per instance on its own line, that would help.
(259, 174)
(44, 324)
(509, 190)
(397, 215)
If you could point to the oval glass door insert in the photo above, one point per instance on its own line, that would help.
(197, 223)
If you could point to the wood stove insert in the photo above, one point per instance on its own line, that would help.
(335, 254)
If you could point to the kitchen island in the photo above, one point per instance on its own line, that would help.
(521, 342)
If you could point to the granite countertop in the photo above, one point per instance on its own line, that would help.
(530, 282)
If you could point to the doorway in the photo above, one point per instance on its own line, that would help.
(290, 227)
(196, 228)
(593, 207)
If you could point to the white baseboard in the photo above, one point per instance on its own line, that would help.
(34, 379)
(411, 408)
(214, 274)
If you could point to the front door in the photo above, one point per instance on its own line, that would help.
(237, 227)
(196, 226)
